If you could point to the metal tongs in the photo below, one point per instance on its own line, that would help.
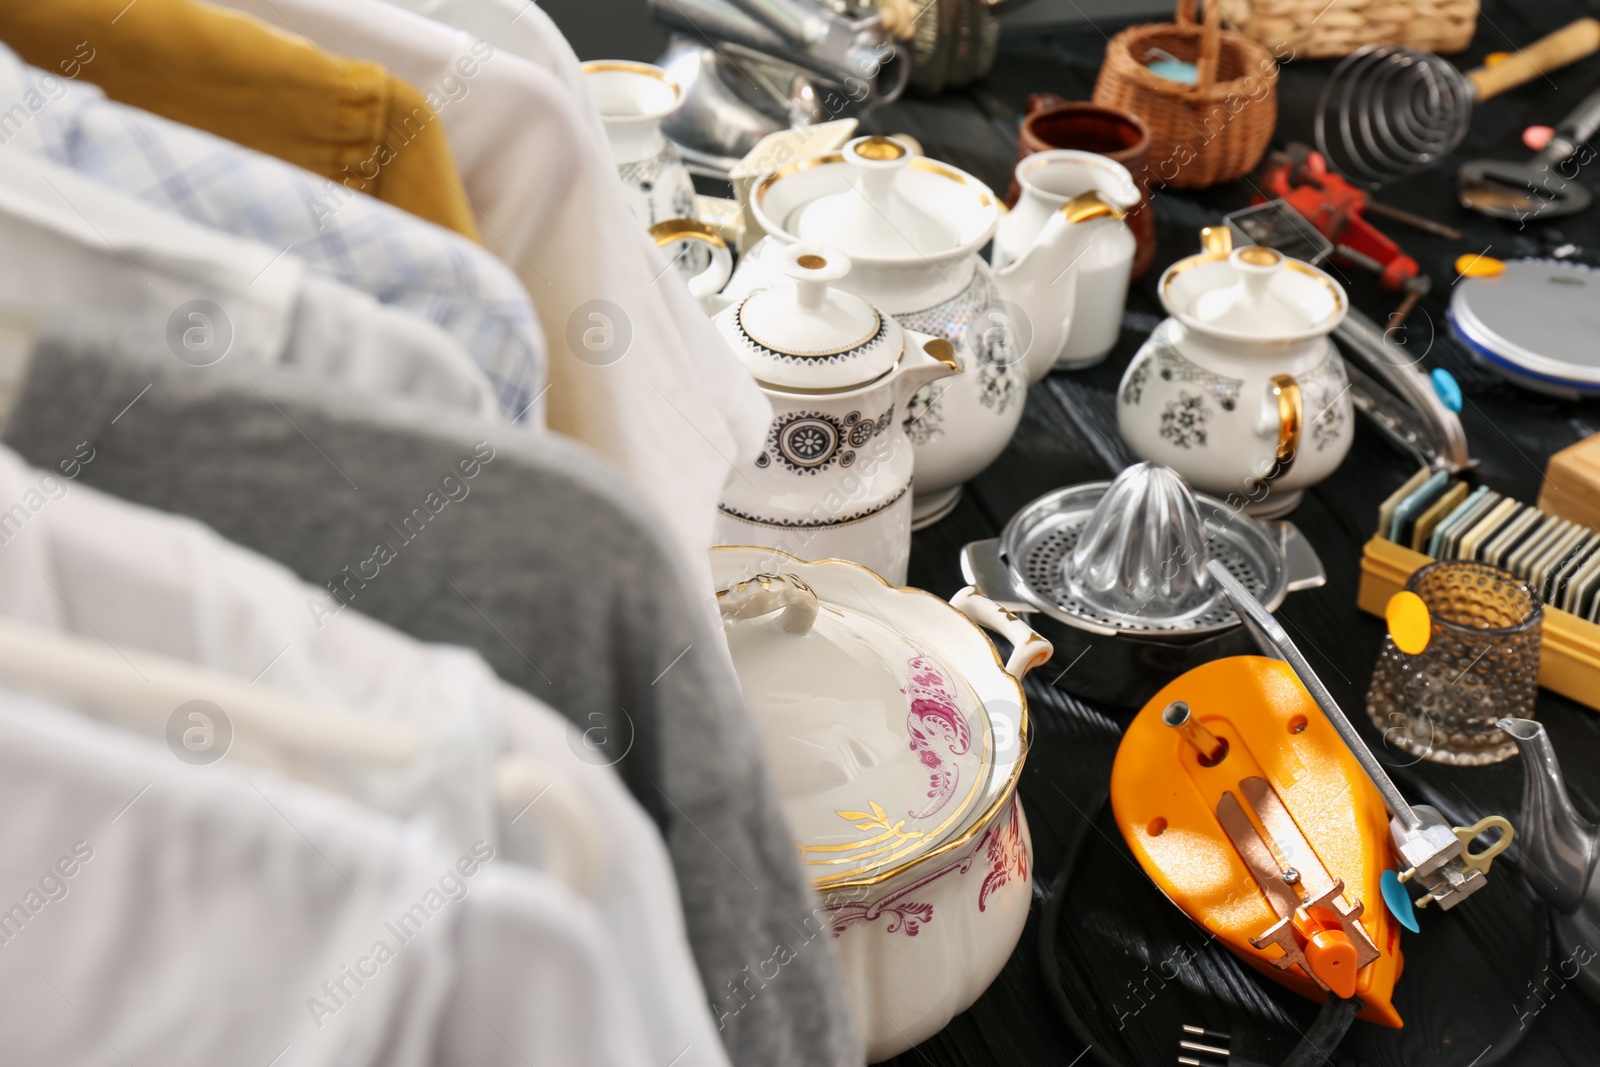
(1430, 850)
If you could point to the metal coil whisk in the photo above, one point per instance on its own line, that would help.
(1389, 112)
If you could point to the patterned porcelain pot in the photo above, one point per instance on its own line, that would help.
(834, 480)
(914, 228)
(1240, 390)
(896, 738)
(633, 99)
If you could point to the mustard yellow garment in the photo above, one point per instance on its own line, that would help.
(234, 76)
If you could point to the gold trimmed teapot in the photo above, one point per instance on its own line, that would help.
(834, 479)
(1240, 390)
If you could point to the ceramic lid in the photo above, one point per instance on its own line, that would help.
(874, 704)
(811, 336)
(1253, 293)
(876, 214)
(879, 203)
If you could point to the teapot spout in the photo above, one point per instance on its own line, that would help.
(927, 359)
(1559, 847)
(1043, 281)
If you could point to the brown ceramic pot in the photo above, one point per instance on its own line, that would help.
(1052, 122)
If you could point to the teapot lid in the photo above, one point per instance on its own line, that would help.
(811, 336)
(1254, 293)
(880, 203)
(879, 748)
(876, 216)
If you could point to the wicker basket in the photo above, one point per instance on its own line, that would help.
(1213, 131)
(1312, 29)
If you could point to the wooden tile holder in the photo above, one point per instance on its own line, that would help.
(1569, 654)
(1571, 486)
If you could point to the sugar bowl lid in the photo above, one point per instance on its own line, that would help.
(812, 336)
(1254, 293)
(891, 729)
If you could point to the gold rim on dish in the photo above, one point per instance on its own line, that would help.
(622, 66)
(981, 822)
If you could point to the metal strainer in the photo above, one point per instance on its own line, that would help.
(1114, 573)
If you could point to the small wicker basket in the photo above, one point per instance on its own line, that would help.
(1314, 29)
(1213, 131)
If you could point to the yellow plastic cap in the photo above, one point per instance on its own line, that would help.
(1409, 622)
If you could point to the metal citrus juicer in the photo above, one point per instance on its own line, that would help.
(1249, 798)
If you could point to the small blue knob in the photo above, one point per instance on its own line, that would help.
(1446, 388)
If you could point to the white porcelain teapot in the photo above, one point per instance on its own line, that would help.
(913, 228)
(834, 480)
(1240, 390)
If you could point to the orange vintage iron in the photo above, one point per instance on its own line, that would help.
(1251, 801)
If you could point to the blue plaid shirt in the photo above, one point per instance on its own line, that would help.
(400, 259)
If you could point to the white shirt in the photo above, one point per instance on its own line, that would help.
(138, 578)
(522, 28)
(675, 410)
(156, 912)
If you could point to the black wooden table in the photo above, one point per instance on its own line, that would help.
(1137, 968)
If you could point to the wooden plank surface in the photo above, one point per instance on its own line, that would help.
(1137, 968)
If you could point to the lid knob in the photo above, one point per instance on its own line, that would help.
(813, 267)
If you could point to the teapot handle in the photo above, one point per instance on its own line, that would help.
(1028, 649)
(766, 593)
(1291, 420)
(711, 280)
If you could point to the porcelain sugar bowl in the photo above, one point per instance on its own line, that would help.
(896, 739)
(834, 479)
(914, 228)
(1241, 390)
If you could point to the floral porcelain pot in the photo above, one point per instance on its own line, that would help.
(914, 228)
(633, 99)
(834, 479)
(896, 739)
(1240, 390)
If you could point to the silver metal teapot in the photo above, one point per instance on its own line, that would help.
(1560, 856)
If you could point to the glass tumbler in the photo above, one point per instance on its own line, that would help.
(1481, 664)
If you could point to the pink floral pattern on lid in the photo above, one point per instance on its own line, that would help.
(935, 721)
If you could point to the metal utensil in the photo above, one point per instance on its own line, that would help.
(1428, 848)
(1541, 188)
(1388, 112)
(834, 46)
(1119, 567)
(749, 68)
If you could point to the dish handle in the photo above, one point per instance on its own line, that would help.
(1028, 649)
(766, 593)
